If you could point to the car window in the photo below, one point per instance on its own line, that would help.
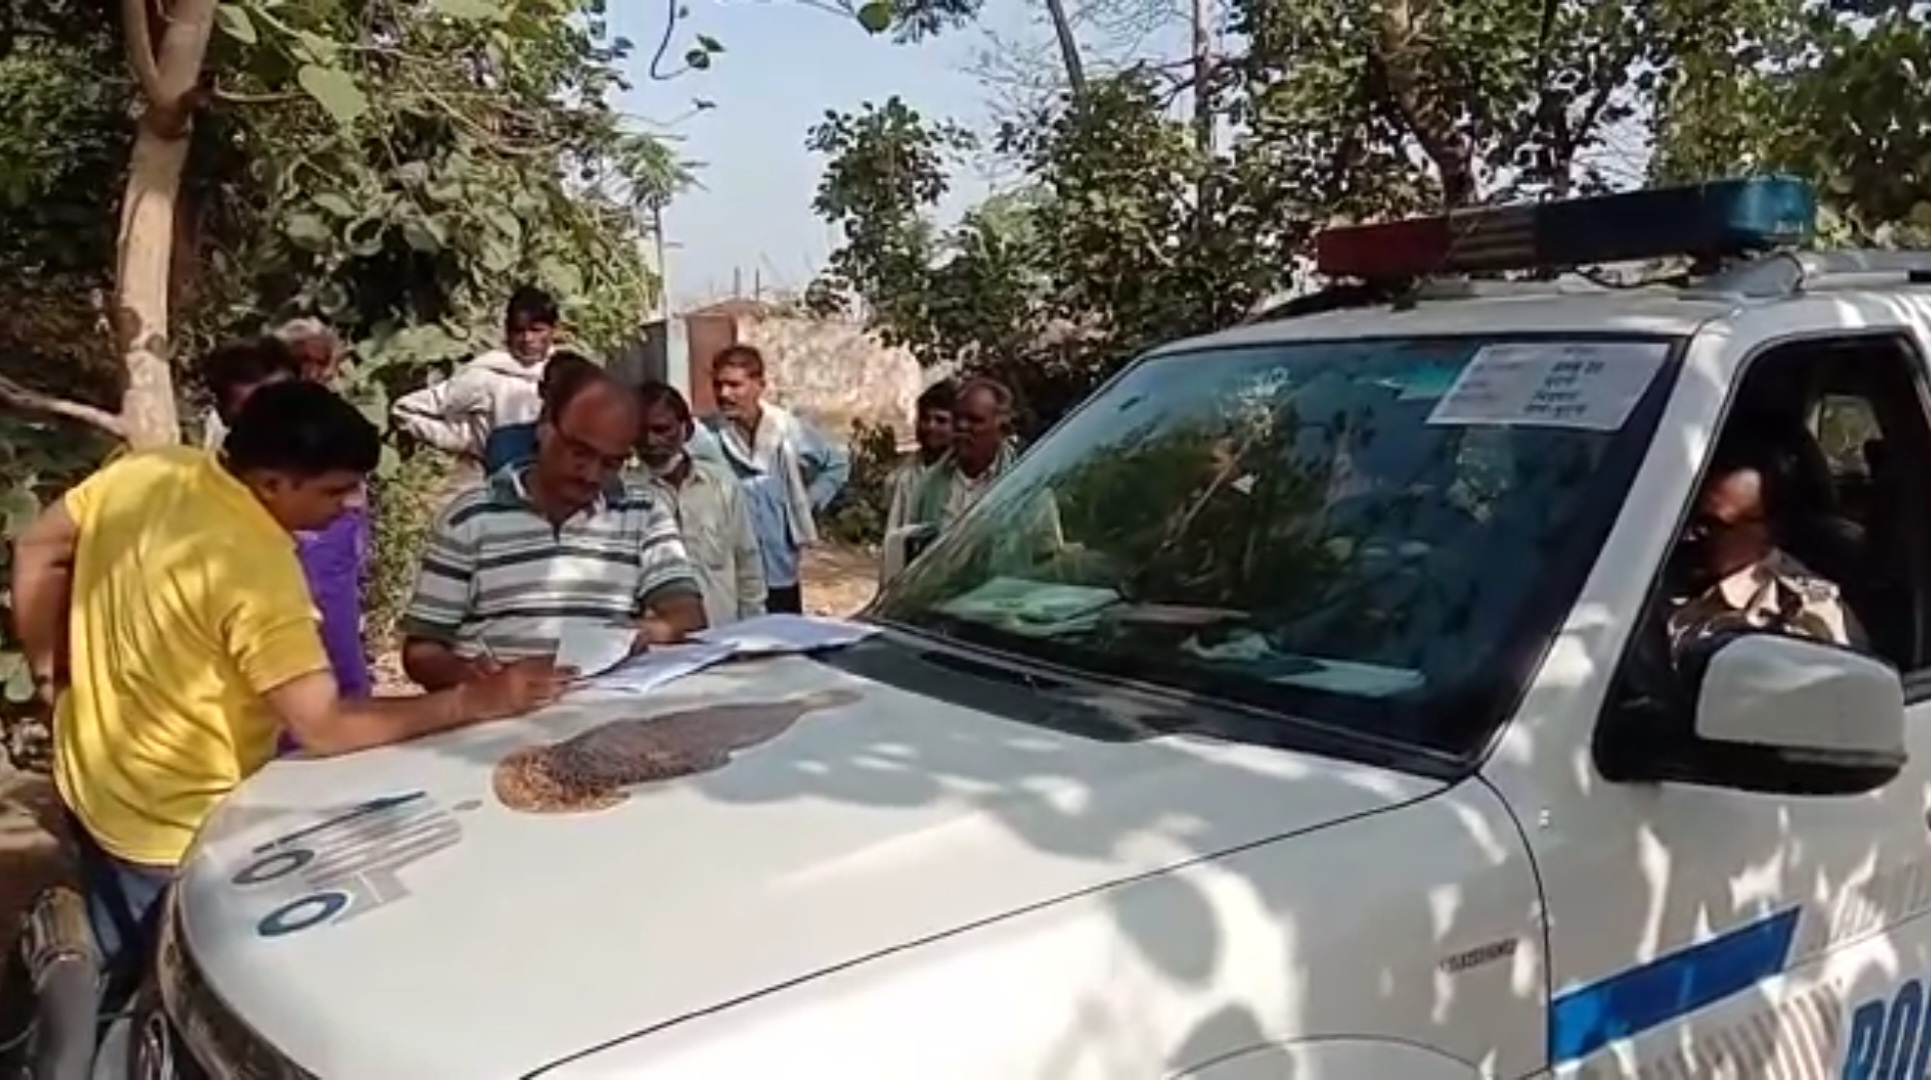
(1845, 427)
(1284, 526)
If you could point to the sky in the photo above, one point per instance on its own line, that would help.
(784, 64)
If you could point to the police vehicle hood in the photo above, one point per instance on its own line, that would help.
(475, 905)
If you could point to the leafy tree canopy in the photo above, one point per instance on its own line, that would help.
(1836, 93)
(393, 166)
(1130, 226)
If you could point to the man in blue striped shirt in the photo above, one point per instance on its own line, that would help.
(559, 540)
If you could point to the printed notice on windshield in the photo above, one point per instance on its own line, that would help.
(1591, 385)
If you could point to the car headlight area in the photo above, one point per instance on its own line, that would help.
(183, 1030)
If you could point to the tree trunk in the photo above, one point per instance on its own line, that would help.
(1068, 47)
(1203, 73)
(1434, 128)
(141, 287)
(168, 73)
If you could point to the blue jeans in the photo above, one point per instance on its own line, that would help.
(123, 910)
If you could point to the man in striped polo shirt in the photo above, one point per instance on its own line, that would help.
(558, 540)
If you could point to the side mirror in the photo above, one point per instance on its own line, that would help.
(1826, 715)
(901, 546)
(1770, 713)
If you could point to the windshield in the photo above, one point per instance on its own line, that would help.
(1376, 535)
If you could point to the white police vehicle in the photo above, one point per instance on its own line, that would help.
(1289, 711)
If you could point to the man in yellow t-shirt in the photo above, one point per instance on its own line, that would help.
(190, 642)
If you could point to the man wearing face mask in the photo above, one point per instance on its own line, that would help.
(709, 506)
(1738, 577)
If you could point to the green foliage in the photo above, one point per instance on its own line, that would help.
(1833, 93)
(38, 460)
(1502, 98)
(1050, 287)
(887, 166)
(64, 144)
(386, 170)
(403, 502)
(916, 20)
(411, 169)
(393, 166)
(875, 16)
(857, 516)
(1131, 227)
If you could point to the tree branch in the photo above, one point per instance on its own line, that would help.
(1392, 51)
(20, 397)
(140, 50)
(236, 97)
(663, 46)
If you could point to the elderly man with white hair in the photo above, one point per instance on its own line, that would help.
(316, 346)
(318, 353)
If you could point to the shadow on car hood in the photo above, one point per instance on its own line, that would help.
(485, 902)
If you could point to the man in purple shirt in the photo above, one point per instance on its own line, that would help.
(332, 557)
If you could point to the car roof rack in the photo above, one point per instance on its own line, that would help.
(1788, 273)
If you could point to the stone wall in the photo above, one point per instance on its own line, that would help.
(833, 371)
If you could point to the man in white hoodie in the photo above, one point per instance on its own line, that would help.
(487, 410)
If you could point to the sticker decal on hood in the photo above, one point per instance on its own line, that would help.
(591, 771)
(350, 863)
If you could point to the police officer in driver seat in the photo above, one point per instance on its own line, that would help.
(1737, 579)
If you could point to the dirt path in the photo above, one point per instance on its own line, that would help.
(837, 582)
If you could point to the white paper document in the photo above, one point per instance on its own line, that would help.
(770, 635)
(1590, 385)
(594, 648)
(652, 670)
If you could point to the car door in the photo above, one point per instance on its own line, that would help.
(1704, 932)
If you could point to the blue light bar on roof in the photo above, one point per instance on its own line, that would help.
(1730, 217)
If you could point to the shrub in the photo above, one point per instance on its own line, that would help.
(403, 499)
(39, 459)
(857, 515)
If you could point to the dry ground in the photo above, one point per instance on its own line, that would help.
(837, 582)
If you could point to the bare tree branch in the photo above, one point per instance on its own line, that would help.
(21, 397)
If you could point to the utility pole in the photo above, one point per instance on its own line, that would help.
(1203, 75)
(677, 351)
(663, 260)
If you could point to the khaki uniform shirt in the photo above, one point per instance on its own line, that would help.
(1778, 594)
(716, 526)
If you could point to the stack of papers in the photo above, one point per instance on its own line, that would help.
(771, 635)
(642, 674)
(594, 648)
(627, 676)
